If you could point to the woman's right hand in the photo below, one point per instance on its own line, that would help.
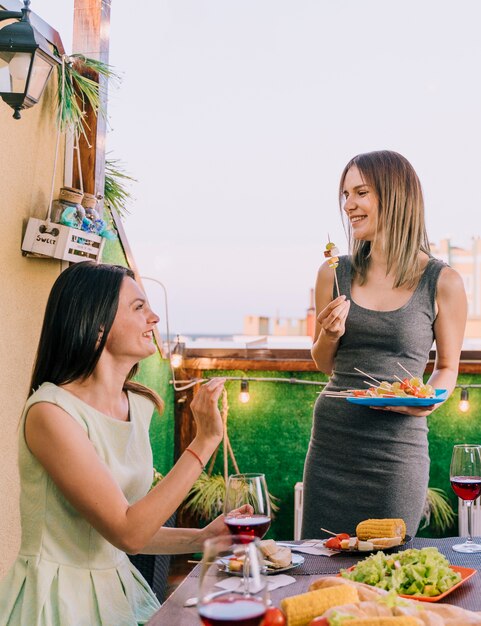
(205, 409)
(332, 319)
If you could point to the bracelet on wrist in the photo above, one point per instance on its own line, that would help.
(197, 457)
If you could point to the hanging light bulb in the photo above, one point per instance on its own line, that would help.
(244, 392)
(464, 401)
(177, 354)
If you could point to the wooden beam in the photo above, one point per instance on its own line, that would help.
(91, 38)
(288, 360)
(251, 364)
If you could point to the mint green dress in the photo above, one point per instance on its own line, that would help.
(66, 573)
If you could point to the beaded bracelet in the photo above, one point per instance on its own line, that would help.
(197, 457)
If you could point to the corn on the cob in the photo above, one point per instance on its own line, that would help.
(371, 528)
(400, 620)
(301, 609)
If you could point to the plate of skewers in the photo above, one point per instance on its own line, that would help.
(402, 392)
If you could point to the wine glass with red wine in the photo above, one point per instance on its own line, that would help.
(465, 476)
(245, 601)
(248, 489)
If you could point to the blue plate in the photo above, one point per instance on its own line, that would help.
(441, 395)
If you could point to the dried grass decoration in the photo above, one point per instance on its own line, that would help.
(205, 500)
(116, 194)
(78, 90)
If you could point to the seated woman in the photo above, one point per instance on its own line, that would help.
(86, 463)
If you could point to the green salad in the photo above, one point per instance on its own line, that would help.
(424, 572)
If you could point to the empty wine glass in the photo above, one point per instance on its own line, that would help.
(465, 475)
(244, 597)
(248, 489)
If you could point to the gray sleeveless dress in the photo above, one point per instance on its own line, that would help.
(365, 463)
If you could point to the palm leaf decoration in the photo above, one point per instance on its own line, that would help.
(116, 195)
(78, 90)
(205, 500)
(438, 512)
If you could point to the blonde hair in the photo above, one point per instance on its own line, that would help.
(400, 224)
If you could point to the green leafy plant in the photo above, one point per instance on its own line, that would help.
(156, 478)
(205, 500)
(75, 90)
(438, 512)
(116, 194)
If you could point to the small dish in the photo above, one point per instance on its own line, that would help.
(441, 395)
(407, 539)
(465, 572)
(297, 560)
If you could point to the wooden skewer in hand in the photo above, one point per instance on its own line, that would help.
(332, 255)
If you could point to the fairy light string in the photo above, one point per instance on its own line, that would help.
(183, 385)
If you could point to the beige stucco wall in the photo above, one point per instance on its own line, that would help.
(27, 149)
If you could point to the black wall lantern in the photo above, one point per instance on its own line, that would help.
(26, 61)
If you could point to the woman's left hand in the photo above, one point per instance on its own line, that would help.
(412, 411)
(218, 527)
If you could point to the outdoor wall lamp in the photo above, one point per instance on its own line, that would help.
(26, 61)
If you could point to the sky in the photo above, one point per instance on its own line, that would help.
(237, 118)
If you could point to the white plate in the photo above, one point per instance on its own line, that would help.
(297, 560)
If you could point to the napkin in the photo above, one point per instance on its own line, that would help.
(279, 580)
(311, 546)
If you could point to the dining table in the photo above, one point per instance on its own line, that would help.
(468, 595)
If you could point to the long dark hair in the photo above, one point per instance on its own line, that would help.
(81, 309)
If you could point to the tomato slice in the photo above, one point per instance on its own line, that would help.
(333, 543)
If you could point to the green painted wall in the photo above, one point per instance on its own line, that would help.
(270, 434)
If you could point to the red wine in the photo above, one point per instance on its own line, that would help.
(250, 525)
(466, 487)
(232, 610)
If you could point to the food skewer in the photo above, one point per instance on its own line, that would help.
(329, 532)
(368, 376)
(332, 255)
(407, 371)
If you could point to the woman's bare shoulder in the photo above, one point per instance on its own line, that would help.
(450, 282)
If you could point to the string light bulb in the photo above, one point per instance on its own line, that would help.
(244, 392)
(177, 354)
(464, 401)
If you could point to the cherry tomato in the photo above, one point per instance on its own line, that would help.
(319, 621)
(342, 536)
(333, 543)
(274, 617)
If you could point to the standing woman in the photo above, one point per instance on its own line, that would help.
(396, 299)
(86, 464)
